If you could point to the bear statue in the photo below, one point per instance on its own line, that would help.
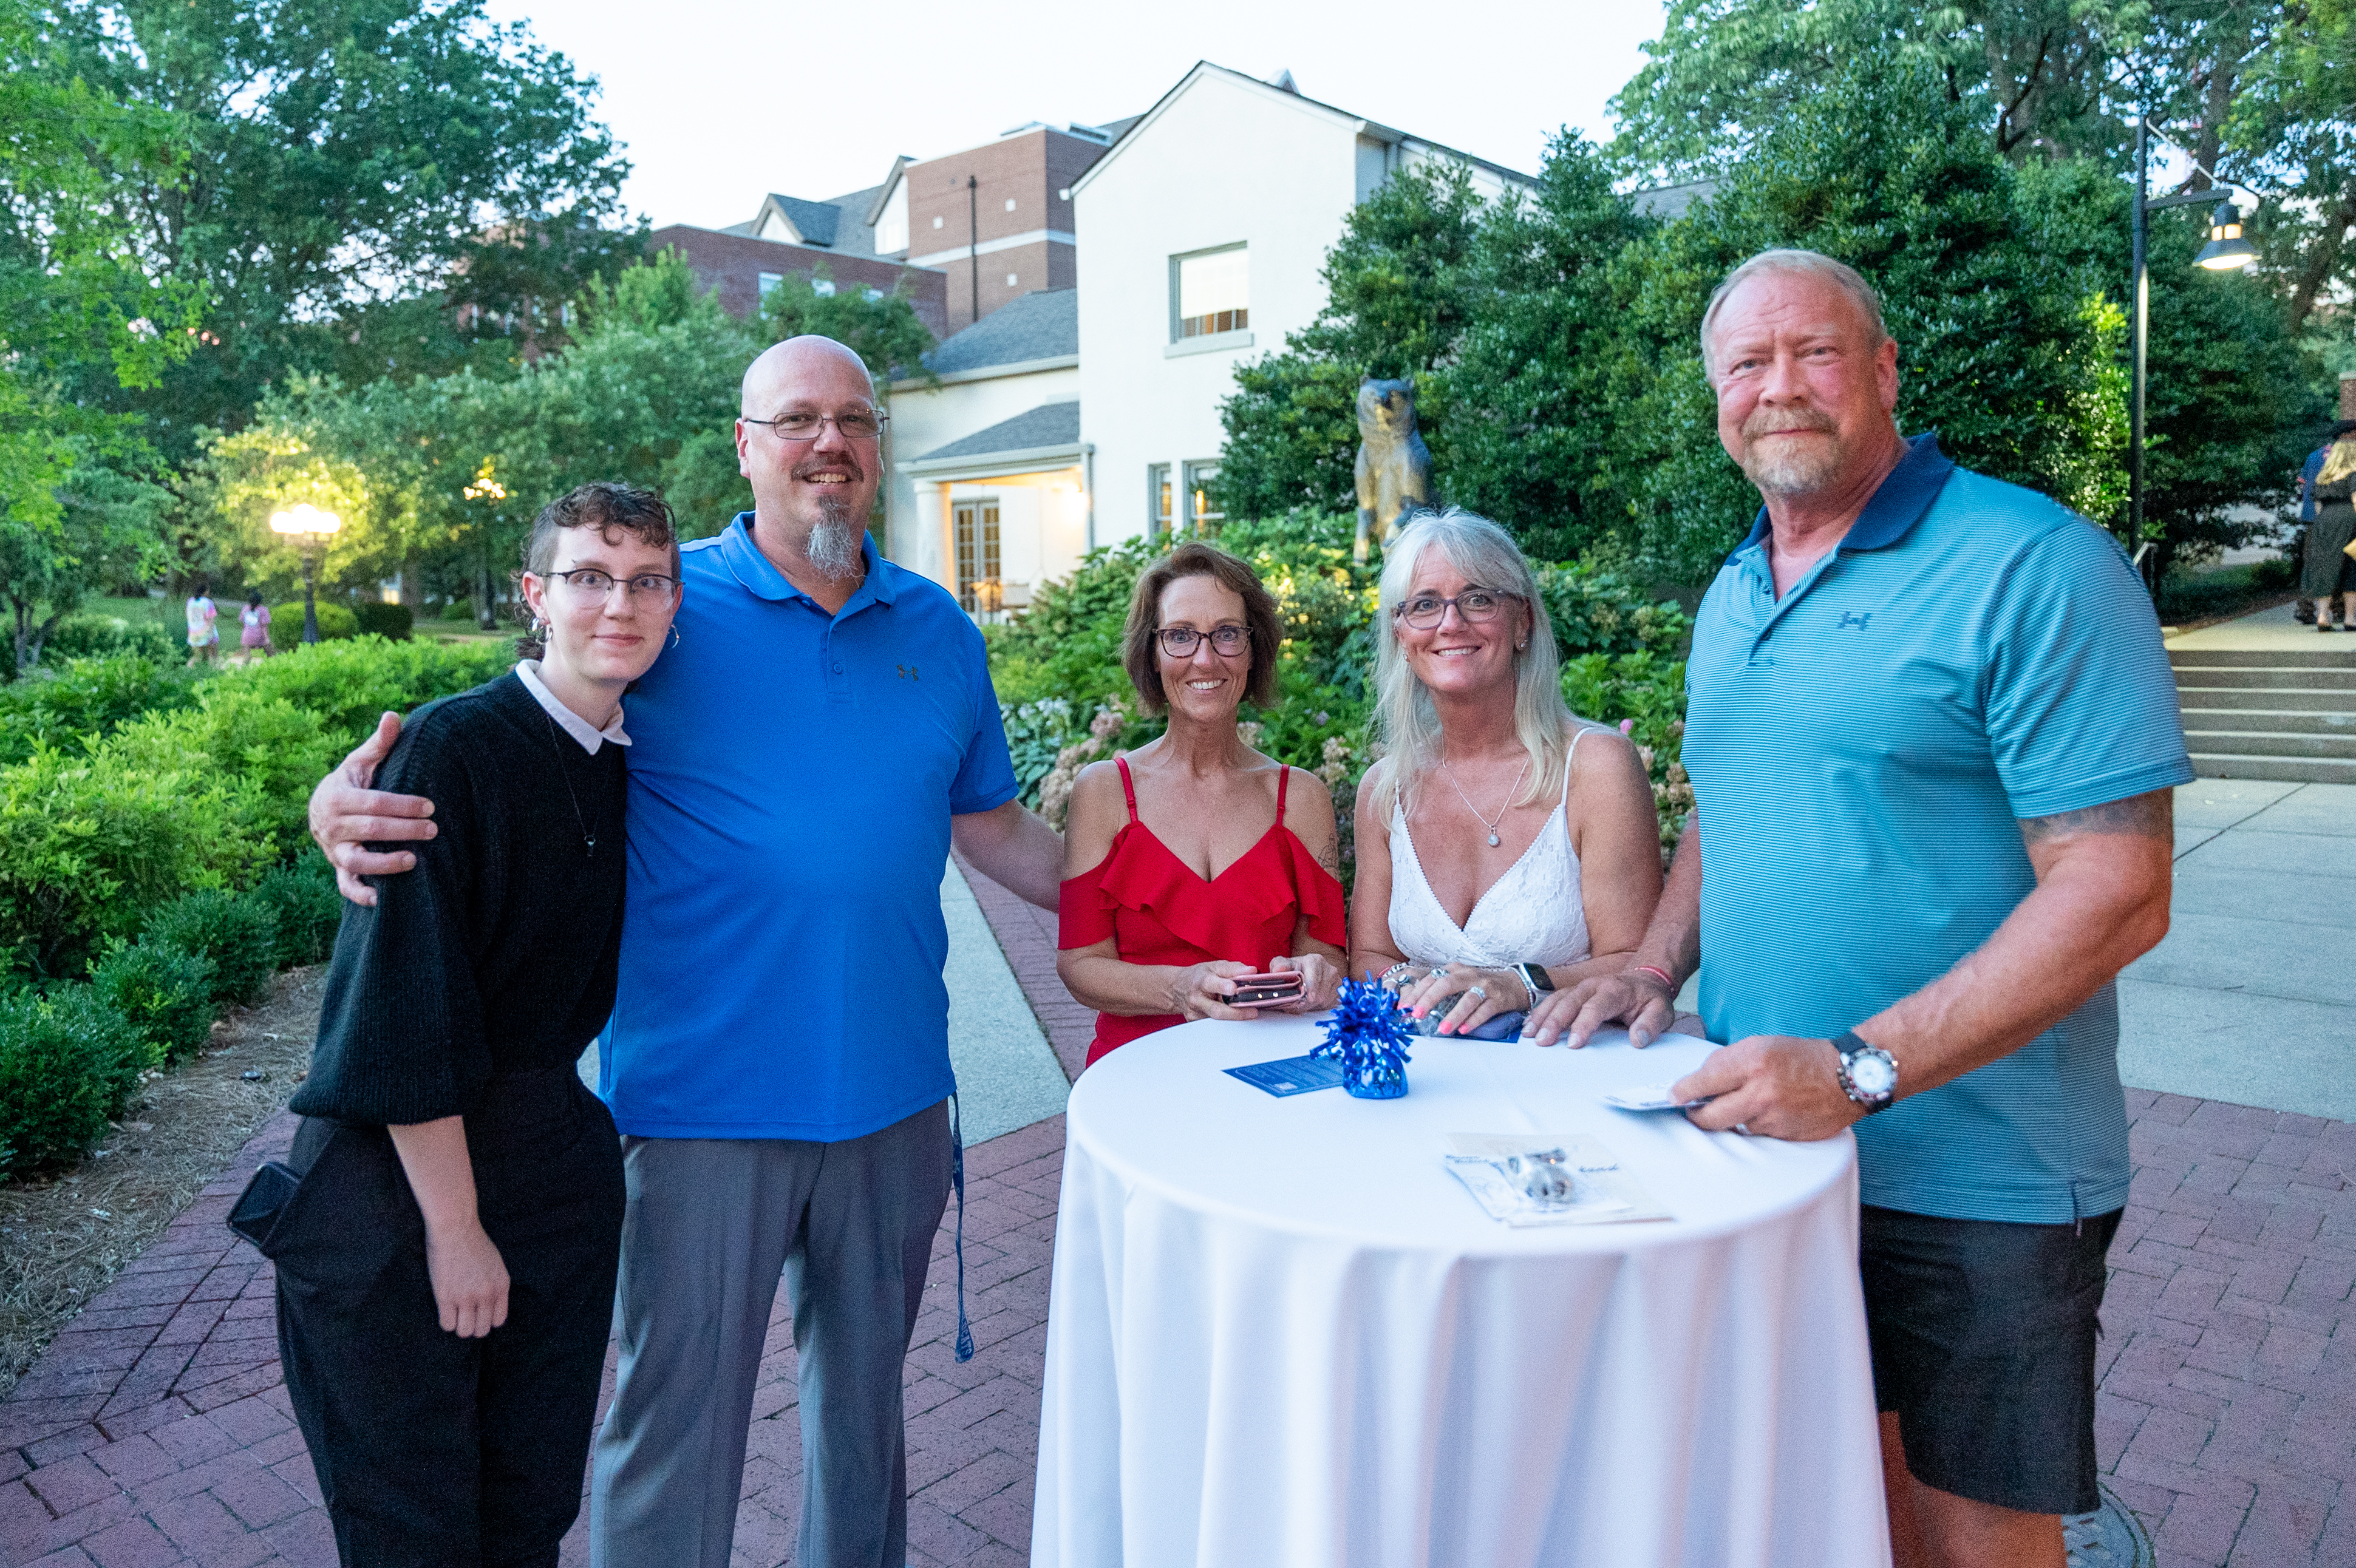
(1394, 465)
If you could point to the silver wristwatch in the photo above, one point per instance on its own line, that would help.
(1868, 1074)
(1535, 980)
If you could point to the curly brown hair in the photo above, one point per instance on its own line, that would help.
(1194, 559)
(609, 508)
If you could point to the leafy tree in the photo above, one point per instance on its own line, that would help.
(337, 155)
(1543, 360)
(881, 328)
(1397, 303)
(74, 302)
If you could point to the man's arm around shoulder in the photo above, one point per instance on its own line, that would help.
(1014, 848)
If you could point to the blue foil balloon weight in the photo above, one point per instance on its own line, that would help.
(1366, 1033)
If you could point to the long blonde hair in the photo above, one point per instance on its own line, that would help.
(2339, 462)
(1484, 553)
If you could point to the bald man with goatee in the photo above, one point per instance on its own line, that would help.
(805, 754)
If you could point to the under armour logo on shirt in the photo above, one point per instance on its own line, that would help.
(908, 671)
(1854, 618)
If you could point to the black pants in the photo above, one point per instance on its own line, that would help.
(433, 1451)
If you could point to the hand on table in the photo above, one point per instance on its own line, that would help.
(346, 813)
(1321, 982)
(1772, 1085)
(1479, 995)
(1200, 990)
(1633, 996)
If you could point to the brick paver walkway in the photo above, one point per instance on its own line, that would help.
(154, 1430)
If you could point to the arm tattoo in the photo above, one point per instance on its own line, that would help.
(1330, 856)
(2151, 815)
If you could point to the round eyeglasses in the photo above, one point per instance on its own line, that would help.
(598, 584)
(1180, 642)
(858, 424)
(1474, 605)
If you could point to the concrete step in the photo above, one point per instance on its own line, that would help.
(2284, 770)
(2269, 718)
(2329, 655)
(2316, 678)
(2271, 743)
(2259, 696)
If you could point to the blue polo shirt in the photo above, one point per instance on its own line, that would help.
(1862, 752)
(792, 777)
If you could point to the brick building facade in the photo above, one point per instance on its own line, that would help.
(733, 265)
(1010, 231)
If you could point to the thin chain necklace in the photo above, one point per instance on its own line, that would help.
(588, 840)
(1475, 810)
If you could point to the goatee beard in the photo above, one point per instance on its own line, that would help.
(832, 548)
(1794, 468)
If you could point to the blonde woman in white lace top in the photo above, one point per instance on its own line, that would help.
(1504, 846)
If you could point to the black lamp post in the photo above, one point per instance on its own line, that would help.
(2225, 252)
(309, 527)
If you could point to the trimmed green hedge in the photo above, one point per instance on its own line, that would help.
(166, 993)
(69, 1064)
(136, 802)
(336, 623)
(236, 934)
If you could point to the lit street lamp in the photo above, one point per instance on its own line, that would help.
(309, 528)
(2225, 252)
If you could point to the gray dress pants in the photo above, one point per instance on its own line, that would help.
(711, 1224)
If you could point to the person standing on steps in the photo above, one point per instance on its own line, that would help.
(446, 1263)
(777, 1059)
(2328, 570)
(1934, 737)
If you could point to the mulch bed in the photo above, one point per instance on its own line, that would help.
(64, 1237)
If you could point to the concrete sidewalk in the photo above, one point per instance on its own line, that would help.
(2252, 997)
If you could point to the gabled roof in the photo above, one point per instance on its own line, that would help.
(882, 193)
(811, 222)
(1042, 325)
(1294, 96)
(1048, 425)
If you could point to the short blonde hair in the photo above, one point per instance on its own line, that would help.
(1800, 263)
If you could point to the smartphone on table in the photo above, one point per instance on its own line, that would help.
(1265, 990)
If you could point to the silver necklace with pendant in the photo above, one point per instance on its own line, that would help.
(1475, 810)
(588, 840)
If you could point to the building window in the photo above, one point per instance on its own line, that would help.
(976, 553)
(1009, 280)
(892, 223)
(770, 280)
(1210, 292)
(1157, 500)
(1200, 517)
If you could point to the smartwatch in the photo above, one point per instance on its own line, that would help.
(1535, 980)
(1868, 1073)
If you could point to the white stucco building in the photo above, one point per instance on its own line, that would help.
(1093, 414)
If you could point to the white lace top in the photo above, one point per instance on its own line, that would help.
(1531, 914)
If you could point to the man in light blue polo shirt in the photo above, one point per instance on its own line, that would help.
(1933, 734)
(778, 1060)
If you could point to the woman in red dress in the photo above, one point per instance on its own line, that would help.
(1194, 858)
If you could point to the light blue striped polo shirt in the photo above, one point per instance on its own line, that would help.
(1861, 753)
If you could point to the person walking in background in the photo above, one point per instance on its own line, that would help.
(445, 1265)
(1934, 737)
(204, 637)
(254, 622)
(2327, 569)
(1504, 847)
(1194, 858)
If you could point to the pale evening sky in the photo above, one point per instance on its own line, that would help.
(722, 100)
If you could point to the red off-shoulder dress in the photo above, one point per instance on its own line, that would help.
(1159, 910)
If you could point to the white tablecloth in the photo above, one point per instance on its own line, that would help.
(1282, 1333)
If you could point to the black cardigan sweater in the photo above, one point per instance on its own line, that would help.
(498, 953)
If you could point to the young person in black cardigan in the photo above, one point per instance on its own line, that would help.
(446, 1263)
